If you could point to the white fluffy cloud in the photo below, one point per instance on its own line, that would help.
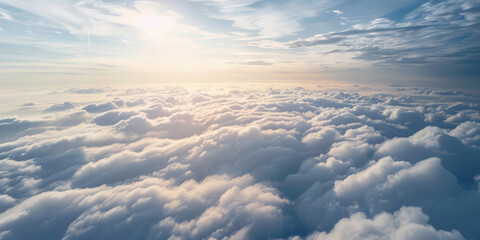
(150, 208)
(242, 164)
(406, 223)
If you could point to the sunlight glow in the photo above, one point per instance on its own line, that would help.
(154, 25)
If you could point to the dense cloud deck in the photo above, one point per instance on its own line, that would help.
(237, 163)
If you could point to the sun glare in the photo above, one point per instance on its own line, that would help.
(154, 25)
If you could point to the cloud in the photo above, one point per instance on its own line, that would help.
(243, 163)
(4, 15)
(98, 108)
(432, 141)
(97, 18)
(382, 40)
(85, 90)
(254, 62)
(269, 20)
(218, 203)
(338, 12)
(60, 107)
(112, 117)
(467, 132)
(406, 223)
(356, 184)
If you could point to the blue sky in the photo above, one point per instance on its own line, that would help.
(366, 41)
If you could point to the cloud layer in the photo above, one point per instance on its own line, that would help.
(237, 163)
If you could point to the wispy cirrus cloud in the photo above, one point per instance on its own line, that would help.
(5, 15)
(267, 19)
(95, 17)
(446, 29)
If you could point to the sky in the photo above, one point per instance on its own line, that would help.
(75, 43)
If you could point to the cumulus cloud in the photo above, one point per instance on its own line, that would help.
(60, 107)
(217, 206)
(467, 132)
(406, 223)
(98, 108)
(112, 117)
(238, 163)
